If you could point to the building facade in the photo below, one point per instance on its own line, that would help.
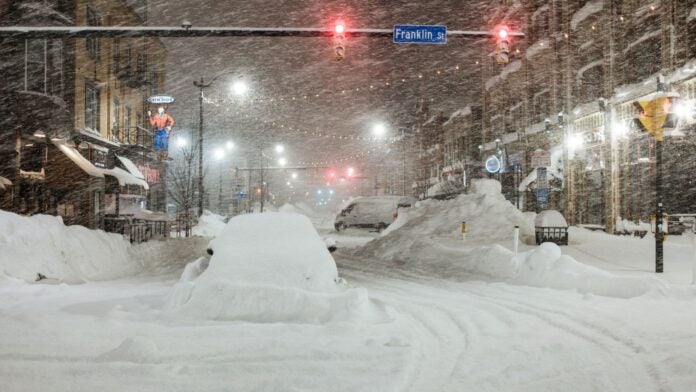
(568, 91)
(73, 123)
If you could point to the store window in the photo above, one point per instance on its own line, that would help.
(91, 106)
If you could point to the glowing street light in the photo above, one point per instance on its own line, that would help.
(282, 161)
(219, 154)
(294, 176)
(239, 87)
(181, 142)
(379, 130)
(229, 145)
(279, 148)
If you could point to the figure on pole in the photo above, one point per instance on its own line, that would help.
(163, 124)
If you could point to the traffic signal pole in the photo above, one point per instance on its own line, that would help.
(186, 30)
(659, 230)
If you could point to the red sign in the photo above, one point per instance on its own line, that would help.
(152, 176)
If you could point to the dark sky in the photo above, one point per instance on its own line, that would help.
(294, 67)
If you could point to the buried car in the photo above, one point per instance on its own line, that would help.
(375, 212)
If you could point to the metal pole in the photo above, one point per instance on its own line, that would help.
(659, 234)
(220, 193)
(263, 185)
(403, 163)
(201, 86)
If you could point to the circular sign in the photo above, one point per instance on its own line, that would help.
(493, 164)
(157, 99)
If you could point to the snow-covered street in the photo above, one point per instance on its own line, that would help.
(441, 335)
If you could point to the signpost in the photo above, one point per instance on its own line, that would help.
(420, 34)
(160, 99)
(542, 192)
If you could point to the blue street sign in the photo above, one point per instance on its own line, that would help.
(420, 34)
(241, 195)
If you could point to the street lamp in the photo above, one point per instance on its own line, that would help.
(282, 161)
(202, 85)
(239, 87)
(379, 130)
(279, 148)
(229, 146)
(181, 142)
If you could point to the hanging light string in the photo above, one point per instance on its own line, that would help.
(344, 159)
(318, 134)
(374, 86)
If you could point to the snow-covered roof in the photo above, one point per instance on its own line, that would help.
(4, 182)
(692, 14)
(510, 68)
(125, 178)
(130, 166)
(591, 7)
(643, 38)
(77, 158)
(587, 67)
(537, 47)
(459, 113)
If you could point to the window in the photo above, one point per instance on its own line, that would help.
(55, 69)
(92, 43)
(127, 124)
(117, 56)
(117, 117)
(541, 105)
(35, 66)
(66, 209)
(43, 67)
(141, 66)
(91, 106)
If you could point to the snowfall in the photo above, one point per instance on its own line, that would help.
(414, 308)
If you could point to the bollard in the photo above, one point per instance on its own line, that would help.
(463, 230)
(516, 239)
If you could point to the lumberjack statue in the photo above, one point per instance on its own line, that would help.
(163, 123)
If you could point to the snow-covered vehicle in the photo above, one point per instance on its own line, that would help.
(375, 212)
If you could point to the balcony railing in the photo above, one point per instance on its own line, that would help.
(134, 136)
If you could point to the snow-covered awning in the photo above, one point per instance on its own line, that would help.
(77, 158)
(130, 166)
(125, 178)
(4, 182)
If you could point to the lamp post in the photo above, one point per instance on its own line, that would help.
(239, 88)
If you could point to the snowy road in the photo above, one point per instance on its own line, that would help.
(444, 336)
(498, 337)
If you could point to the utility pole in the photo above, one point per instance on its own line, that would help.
(201, 86)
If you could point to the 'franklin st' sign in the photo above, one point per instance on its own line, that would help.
(420, 34)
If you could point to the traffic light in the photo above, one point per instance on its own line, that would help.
(657, 114)
(339, 49)
(502, 52)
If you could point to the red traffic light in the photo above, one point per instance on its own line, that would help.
(503, 32)
(340, 28)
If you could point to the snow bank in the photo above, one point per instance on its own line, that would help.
(270, 267)
(427, 239)
(209, 225)
(489, 217)
(43, 244)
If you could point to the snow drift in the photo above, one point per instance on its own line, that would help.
(270, 267)
(427, 240)
(209, 225)
(42, 244)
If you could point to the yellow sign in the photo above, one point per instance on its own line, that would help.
(655, 114)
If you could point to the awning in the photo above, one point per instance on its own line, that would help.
(123, 177)
(77, 158)
(4, 182)
(130, 166)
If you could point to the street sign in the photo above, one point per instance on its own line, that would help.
(159, 99)
(420, 34)
(241, 195)
(493, 164)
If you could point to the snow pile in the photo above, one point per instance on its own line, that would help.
(545, 266)
(42, 244)
(270, 267)
(550, 218)
(488, 217)
(209, 225)
(4, 182)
